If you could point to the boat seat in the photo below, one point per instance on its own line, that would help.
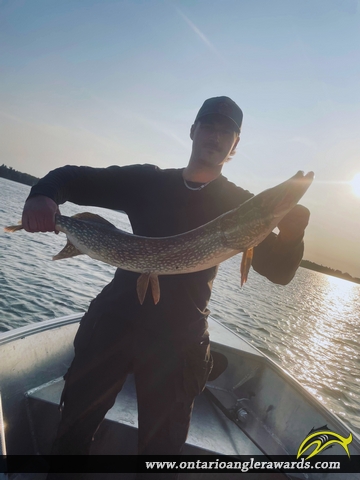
(210, 432)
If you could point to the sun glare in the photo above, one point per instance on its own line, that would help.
(355, 184)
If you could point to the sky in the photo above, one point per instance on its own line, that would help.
(104, 83)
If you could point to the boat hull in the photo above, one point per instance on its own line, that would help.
(275, 413)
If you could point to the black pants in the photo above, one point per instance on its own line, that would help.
(167, 377)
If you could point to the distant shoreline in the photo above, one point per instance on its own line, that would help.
(11, 174)
(328, 271)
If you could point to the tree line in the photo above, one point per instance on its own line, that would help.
(11, 174)
(328, 271)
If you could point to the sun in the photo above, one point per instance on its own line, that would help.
(355, 184)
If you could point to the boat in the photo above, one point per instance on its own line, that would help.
(250, 407)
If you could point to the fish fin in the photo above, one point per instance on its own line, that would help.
(92, 217)
(13, 228)
(246, 264)
(67, 252)
(142, 286)
(155, 288)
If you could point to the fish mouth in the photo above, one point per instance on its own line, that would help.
(284, 197)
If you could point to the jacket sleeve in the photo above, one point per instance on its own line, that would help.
(114, 187)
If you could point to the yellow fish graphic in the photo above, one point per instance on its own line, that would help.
(323, 438)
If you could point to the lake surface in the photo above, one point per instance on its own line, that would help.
(310, 327)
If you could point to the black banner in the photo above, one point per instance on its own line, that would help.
(180, 464)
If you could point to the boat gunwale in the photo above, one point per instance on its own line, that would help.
(38, 327)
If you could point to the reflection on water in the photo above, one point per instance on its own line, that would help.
(340, 296)
(333, 343)
(310, 327)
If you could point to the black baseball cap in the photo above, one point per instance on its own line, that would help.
(222, 106)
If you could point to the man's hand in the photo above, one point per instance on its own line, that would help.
(39, 214)
(293, 225)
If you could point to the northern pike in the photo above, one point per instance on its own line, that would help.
(239, 230)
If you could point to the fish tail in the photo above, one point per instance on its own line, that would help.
(13, 228)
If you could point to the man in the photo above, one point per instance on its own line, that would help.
(166, 345)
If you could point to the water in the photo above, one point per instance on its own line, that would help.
(309, 327)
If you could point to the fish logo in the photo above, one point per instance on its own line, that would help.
(323, 438)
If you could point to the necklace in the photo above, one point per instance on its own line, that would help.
(196, 188)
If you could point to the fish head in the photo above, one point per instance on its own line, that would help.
(279, 200)
(250, 223)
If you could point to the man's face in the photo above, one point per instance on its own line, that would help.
(214, 139)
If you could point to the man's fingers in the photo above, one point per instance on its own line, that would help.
(46, 222)
(39, 214)
(301, 215)
(29, 223)
(300, 211)
(298, 216)
(292, 226)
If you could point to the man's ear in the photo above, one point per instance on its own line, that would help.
(233, 151)
(192, 130)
